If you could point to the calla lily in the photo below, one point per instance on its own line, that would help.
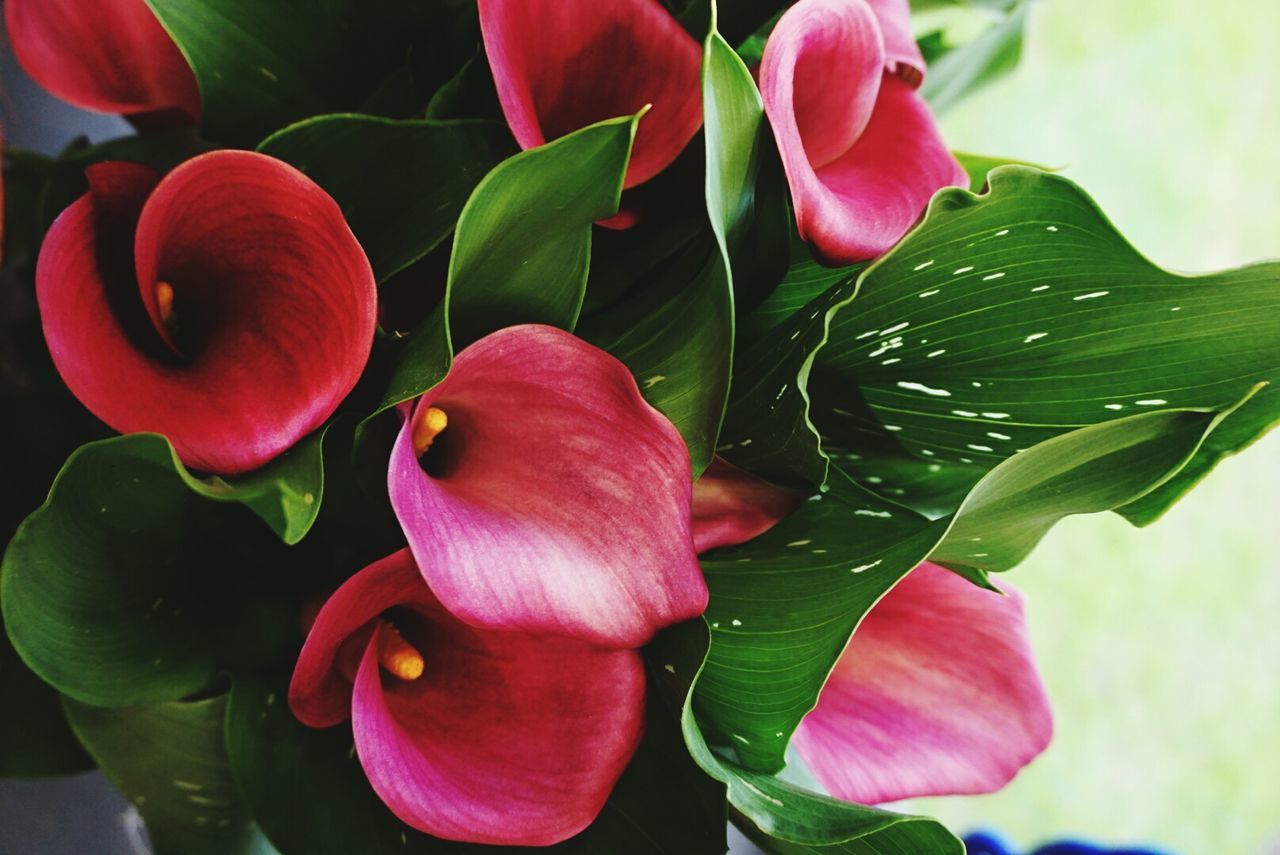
(860, 148)
(226, 305)
(468, 733)
(937, 692)
(111, 56)
(540, 492)
(561, 65)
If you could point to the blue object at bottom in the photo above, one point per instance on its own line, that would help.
(987, 844)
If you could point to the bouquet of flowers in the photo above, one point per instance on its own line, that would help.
(561, 423)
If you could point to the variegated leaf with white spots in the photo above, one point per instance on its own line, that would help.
(784, 605)
(1009, 318)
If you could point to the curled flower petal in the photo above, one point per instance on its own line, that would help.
(506, 738)
(936, 694)
(242, 318)
(561, 65)
(861, 150)
(901, 52)
(731, 506)
(556, 500)
(111, 56)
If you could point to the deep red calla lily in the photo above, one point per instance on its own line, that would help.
(487, 736)
(861, 150)
(937, 693)
(111, 56)
(556, 500)
(226, 305)
(561, 65)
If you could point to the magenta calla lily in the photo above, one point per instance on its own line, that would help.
(551, 496)
(561, 65)
(466, 733)
(861, 150)
(937, 692)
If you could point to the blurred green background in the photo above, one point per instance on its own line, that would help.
(1160, 646)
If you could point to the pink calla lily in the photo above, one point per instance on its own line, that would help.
(466, 733)
(539, 492)
(561, 65)
(860, 148)
(936, 694)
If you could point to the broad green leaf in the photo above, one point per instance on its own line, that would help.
(170, 761)
(676, 332)
(676, 335)
(980, 165)
(779, 816)
(662, 804)
(401, 184)
(521, 249)
(1009, 318)
(767, 428)
(34, 738)
(285, 493)
(1093, 469)
(962, 70)
(261, 66)
(469, 94)
(1255, 417)
(747, 194)
(109, 589)
(805, 281)
(783, 606)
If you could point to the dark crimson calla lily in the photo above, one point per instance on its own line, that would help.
(561, 65)
(860, 148)
(937, 693)
(467, 733)
(226, 305)
(111, 56)
(550, 497)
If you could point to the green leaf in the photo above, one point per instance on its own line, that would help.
(779, 816)
(675, 332)
(521, 249)
(662, 804)
(980, 165)
(1254, 418)
(262, 66)
(108, 588)
(1093, 469)
(170, 761)
(1006, 319)
(401, 184)
(767, 428)
(963, 70)
(285, 493)
(783, 606)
